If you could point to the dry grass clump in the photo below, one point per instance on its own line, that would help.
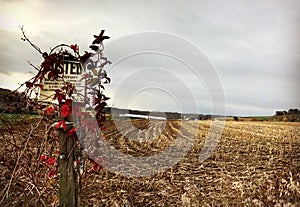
(23, 175)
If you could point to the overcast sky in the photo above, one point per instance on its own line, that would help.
(253, 46)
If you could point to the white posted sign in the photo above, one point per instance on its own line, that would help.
(72, 70)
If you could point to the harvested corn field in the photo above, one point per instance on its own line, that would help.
(254, 164)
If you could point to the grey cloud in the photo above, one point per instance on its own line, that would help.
(252, 44)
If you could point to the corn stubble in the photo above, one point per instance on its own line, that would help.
(255, 164)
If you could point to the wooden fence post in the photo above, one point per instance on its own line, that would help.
(68, 182)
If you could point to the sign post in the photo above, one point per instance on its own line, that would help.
(68, 181)
(68, 175)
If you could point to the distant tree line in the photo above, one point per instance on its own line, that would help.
(290, 115)
(12, 101)
(290, 111)
(168, 115)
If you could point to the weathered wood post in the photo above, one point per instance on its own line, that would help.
(68, 182)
